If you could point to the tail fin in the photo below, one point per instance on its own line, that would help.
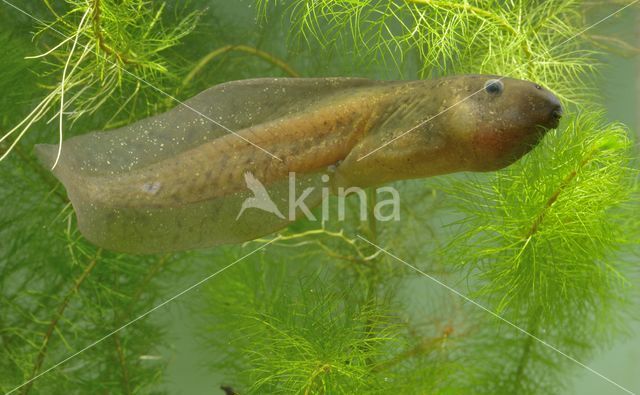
(46, 154)
(78, 187)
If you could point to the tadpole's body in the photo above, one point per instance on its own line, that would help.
(178, 180)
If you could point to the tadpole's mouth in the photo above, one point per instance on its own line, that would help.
(553, 109)
(556, 115)
(552, 119)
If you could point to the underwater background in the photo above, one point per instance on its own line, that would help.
(300, 316)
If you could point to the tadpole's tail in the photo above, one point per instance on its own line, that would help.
(76, 184)
(79, 186)
(47, 154)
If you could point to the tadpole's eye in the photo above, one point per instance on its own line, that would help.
(494, 87)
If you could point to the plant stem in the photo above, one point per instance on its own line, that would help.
(241, 48)
(554, 197)
(422, 348)
(54, 321)
(616, 45)
(528, 345)
(123, 365)
(320, 370)
(373, 272)
(97, 30)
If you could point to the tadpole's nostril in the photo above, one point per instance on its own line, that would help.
(557, 113)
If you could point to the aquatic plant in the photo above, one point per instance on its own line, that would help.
(503, 283)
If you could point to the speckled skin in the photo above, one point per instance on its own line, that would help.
(481, 133)
(303, 143)
(462, 127)
(176, 181)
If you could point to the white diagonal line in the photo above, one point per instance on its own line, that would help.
(480, 90)
(149, 84)
(140, 316)
(495, 315)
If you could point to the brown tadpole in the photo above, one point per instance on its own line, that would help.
(178, 180)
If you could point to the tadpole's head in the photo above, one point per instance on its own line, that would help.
(501, 119)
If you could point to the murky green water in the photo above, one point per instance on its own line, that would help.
(183, 334)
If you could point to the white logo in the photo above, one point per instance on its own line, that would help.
(260, 200)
